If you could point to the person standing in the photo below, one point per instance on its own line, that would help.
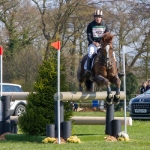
(143, 88)
(148, 85)
(75, 106)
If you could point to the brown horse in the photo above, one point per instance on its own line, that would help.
(104, 70)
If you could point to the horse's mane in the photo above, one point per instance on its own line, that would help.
(107, 37)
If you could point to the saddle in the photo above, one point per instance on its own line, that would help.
(93, 59)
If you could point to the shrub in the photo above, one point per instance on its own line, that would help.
(40, 107)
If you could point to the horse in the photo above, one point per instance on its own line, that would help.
(103, 72)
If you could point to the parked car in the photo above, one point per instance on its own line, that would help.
(140, 106)
(17, 107)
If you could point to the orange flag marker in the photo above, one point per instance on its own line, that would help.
(56, 45)
(1, 50)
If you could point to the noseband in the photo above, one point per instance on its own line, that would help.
(106, 60)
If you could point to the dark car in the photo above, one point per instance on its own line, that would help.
(140, 106)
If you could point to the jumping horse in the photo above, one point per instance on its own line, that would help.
(103, 72)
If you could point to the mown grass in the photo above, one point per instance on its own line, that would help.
(92, 137)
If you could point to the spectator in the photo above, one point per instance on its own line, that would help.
(148, 85)
(72, 105)
(143, 88)
(75, 106)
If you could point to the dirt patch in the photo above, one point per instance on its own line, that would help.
(2, 137)
(61, 140)
(110, 138)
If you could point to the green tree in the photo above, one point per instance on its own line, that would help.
(40, 107)
(131, 85)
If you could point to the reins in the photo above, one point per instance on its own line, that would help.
(105, 60)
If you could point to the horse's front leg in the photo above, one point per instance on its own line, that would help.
(109, 98)
(117, 95)
(100, 80)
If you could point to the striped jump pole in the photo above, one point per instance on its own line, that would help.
(73, 96)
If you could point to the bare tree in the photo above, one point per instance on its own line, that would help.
(18, 18)
(56, 20)
(19, 32)
(127, 23)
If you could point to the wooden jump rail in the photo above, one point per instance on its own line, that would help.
(73, 96)
(67, 96)
(16, 95)
(88, 120)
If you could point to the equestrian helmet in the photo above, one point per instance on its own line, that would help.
(98, 13)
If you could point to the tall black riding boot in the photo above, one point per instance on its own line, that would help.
(88, 71)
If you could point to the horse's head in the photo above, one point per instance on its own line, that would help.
(107, 39)
(106, 52)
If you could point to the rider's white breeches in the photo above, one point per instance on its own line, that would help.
(92, 49)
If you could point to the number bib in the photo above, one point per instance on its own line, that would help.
(98, 31)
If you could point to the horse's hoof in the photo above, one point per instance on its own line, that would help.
(109, 100)
(116, 99)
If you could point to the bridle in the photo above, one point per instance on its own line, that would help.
(105, 60)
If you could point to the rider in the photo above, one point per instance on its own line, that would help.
(95, 31)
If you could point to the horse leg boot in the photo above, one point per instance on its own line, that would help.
(109, 98)
(117, 96)
(88, 71)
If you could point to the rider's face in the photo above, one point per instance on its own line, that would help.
(98, 19)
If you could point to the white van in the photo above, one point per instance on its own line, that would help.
(16, 106)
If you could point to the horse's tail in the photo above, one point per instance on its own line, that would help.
(89, 85)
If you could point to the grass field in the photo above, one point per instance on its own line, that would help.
(92, 138)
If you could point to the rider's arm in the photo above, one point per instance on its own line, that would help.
(106, 30)
(89, 34)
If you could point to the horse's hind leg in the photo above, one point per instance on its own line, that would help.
(101, 80)
(81, 87)
(81, 80)
(89, 85)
